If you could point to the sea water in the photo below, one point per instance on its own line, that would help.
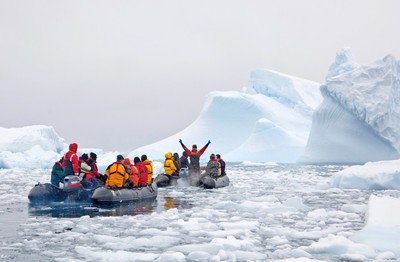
(268, 212)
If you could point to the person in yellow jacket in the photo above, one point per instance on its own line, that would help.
(169, 166)
(149, 167)
(116, 173)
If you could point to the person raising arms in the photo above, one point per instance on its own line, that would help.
(194, 156)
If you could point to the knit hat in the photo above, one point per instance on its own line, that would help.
(120, 158)
(84, 157)
(93, 155)
(212, 156)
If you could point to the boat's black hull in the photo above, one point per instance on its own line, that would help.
(73, 191)
(215, 182)
(45, 193)
(104, 195)
(42, 194)
(192, 179)
(163, 180)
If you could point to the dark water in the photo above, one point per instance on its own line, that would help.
(74, 210)
(12, 216)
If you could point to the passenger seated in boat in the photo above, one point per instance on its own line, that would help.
(149, 167)
(57, 173)
(92, 162)
(213, 167)
(142, 171)
(93, 178)
(222, 164)
(184, 162)
(176, 163)
(84, 167)
(116, 173)
(133, 172)
(169, 166)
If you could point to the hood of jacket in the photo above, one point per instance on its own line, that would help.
(168, 155)
(127, 162)
(73, 147)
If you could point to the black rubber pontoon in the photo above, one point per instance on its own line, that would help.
(163, 180)
(122, 195)
(215, 182)
(72, 191)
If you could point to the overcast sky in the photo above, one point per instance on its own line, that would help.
(122, 74)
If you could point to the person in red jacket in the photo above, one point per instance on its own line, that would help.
(194, 156)
(92, 162)
(142, 171)
(71, 161)
(93, 178)
(213, 167)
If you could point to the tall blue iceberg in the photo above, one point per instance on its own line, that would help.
(358, 120)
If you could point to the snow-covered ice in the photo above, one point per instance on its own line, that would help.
(372, 175)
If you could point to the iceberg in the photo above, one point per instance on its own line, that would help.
(358, 120)
(268, 121)
(30, 146)
(25, 138)
(39, 146)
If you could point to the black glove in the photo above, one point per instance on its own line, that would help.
(209, 142)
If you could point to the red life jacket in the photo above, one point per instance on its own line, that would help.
(142, 173)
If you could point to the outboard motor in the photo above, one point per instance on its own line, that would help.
(184, 172)
(72, 183)
(75, 191)
(72, 188)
